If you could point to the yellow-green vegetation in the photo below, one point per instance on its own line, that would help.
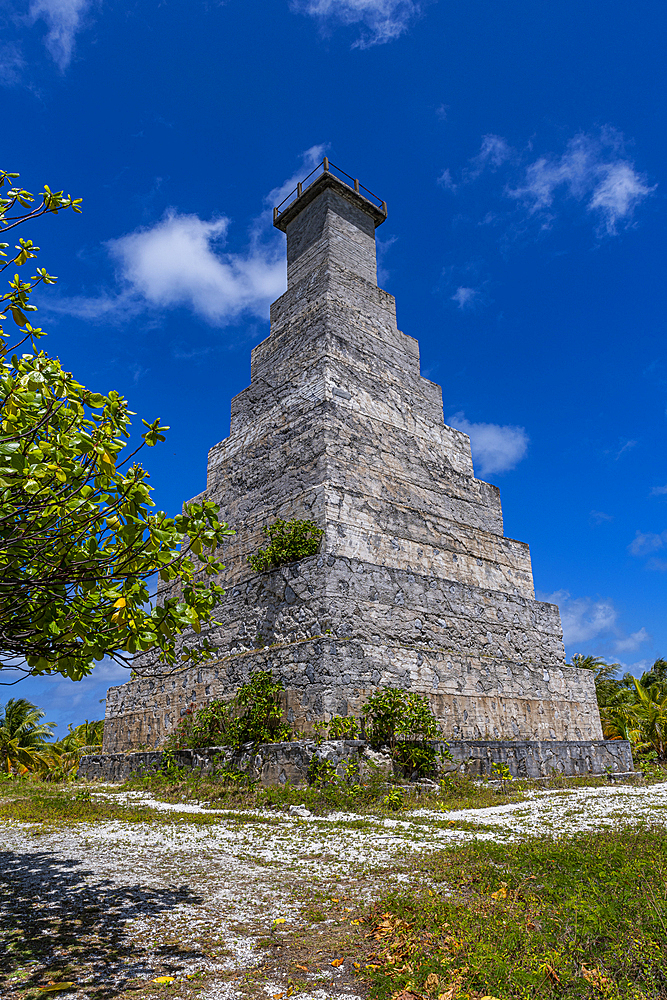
(26, 745)
(48, 806)
(81, 540)
(323, 798)
(254, 715)
(288, 541)
(633, 709)
(579, 917)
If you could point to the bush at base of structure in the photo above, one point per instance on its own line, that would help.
(288, 541)
(253, 716)
(403, 722)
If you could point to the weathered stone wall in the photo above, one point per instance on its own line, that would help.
(278, 763)
(472, 697)
(543, 759)
(416, 584)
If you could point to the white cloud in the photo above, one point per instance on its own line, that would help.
(658, 491)
(12, 64)
(177, 263)
(493, 153)
(583, 618)
(495, 447)
(64, 19)
(383, 20)
(464, 296)
(586, 619)
(632, 642)
(591, 170)
(446, 180)
(599, 517)
(180, 262)
(594, 170)
(646, 543)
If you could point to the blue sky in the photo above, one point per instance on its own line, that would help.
(520, 152)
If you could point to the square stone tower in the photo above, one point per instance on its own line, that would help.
(415, 584)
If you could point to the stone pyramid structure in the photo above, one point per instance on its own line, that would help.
(415, 584)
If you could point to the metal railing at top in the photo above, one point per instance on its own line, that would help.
(326, 167)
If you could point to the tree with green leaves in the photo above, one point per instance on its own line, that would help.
(656, 675)
(651, 712)
(610, 689)
(631, 709)
(80, 538)
(63, 762)
(23, 737)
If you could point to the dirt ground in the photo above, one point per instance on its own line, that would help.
(256, 904)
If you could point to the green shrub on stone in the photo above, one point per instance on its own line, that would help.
(262, 718)
(254, 715)
(288, 541)
(321, 772)
(343, 727)
(210, 726)
(402, 722)
(393, 714)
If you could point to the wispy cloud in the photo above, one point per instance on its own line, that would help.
(583, 618)
(180, 261)
(64, 19)
(646, 544)
(495, 447)
(446, 181)
(381, 20)
(626, 446)
(599, 517)
(12, 64)
(493, 152)
(632, 642)
(658, 491)
(383, 247)
(594, 170)
(465, 297)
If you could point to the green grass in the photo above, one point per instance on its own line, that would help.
(583, 917)
(458, 793)
(49, 806)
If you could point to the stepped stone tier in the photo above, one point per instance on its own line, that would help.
(415, 584)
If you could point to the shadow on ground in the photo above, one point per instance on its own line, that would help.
(59, 921)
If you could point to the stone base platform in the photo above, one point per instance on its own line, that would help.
(541, 758)
(278, 763)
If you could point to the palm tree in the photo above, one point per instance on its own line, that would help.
(67, 751)
(606, 683)
(23, 738)
(651, 711)
(656, 675)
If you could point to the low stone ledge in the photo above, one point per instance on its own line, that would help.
(540, 758)
(278, 763)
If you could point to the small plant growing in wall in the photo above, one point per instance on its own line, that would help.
(261, 717)
(288, 541)
(254, 715)
(403, 722)
(343, 727)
